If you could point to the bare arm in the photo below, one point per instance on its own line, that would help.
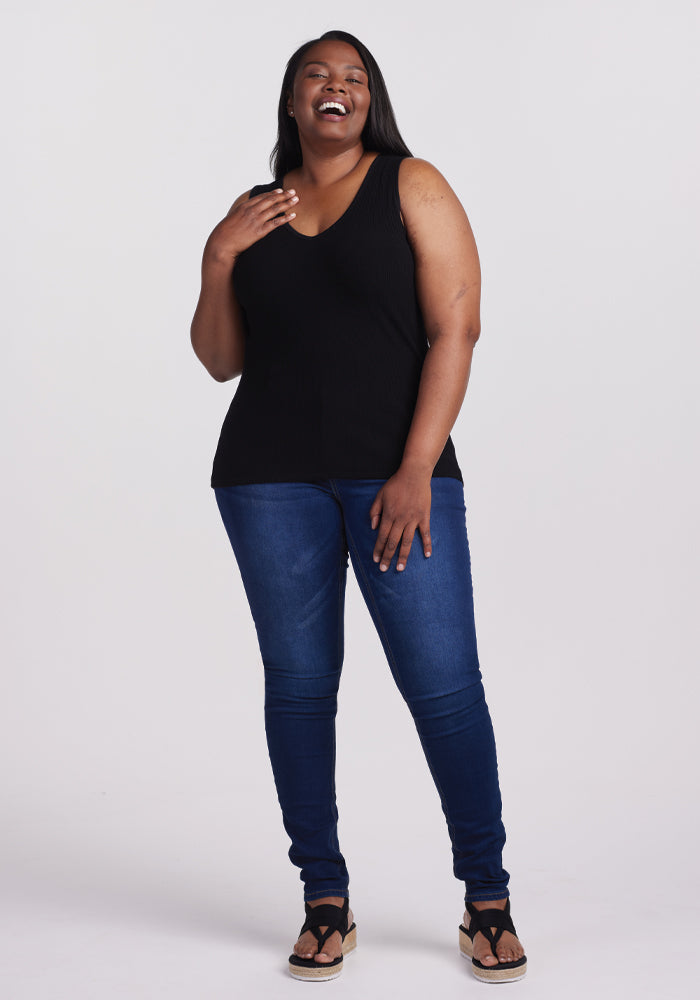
(217, 330)
(448, 279)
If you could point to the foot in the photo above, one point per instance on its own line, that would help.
(508, 948)
(307, 945)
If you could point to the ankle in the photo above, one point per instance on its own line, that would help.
(489, 904)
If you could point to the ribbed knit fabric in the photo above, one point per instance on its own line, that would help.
(335, 344)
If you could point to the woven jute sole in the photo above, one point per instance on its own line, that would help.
(318, 973)
(495, 975)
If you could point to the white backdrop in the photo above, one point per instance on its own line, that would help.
(142, 846)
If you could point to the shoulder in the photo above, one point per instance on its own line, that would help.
(421, 183)
(435, 220)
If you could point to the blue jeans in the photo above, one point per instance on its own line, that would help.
(291, 542)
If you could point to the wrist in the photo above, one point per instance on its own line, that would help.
(416, 465)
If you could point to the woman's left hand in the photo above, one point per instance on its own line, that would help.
(401, 506)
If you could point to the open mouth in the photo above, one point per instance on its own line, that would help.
(332, 110)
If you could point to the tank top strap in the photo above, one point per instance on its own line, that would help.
(380, 203)
(263, 188)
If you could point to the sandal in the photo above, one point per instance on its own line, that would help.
(484, 920)
(334, 918)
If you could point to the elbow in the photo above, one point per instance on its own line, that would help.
(222, 374)
(219, 372)
(457, 337)
(217, 367)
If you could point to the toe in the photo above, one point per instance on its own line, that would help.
(303, 949)
(332, 948)
(510, 954)
(510, 951)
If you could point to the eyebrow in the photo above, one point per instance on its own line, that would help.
(321, 62)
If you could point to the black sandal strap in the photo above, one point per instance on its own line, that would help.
(334, 918)
(483, 920)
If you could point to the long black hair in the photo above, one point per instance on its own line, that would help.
(380, 134)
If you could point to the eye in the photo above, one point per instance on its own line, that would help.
(316, 74)
(353, 80)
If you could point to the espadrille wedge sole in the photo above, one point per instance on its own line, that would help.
(484, 920)
(333, 918)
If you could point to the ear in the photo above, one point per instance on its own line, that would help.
(290, 106)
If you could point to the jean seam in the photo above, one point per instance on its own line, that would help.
(340, 609)
(340, 649)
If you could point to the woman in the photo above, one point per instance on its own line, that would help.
(346, 293)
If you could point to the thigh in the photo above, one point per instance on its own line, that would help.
(289, 543)
(424, 614)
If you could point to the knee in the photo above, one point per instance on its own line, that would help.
(290, 693)
(448, 712)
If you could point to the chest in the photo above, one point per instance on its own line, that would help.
(318, 210)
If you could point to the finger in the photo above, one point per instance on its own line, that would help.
(283, 202)
(277, 212)
(269, 199)
(406, 543)
(382, 537)
(279, 220)
(260, 202)
(392, 544)
(375, 511)
(424, 528)
(271, 209)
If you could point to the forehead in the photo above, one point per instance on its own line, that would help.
(335, 52)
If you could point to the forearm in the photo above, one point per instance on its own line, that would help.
(441, 392)
(217, 330)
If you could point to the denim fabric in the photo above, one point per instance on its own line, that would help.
(291, 542)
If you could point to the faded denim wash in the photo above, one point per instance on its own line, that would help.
(291, 541)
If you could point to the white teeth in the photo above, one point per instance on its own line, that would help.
(331, 104)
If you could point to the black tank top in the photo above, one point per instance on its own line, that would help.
(335, 344)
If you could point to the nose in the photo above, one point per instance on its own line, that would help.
(335, 85)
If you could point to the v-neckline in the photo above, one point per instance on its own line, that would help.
(305, 236)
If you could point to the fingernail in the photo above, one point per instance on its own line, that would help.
(376, 558)
(383, 567)
(400, 566)
(292, 191)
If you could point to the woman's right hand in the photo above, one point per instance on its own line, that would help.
(248, 220)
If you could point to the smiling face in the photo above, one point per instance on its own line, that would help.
(331, 96)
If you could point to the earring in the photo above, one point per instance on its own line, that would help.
(291, 114)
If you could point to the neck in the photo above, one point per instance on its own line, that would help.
(320, 168)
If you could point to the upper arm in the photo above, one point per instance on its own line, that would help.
(448, 273)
